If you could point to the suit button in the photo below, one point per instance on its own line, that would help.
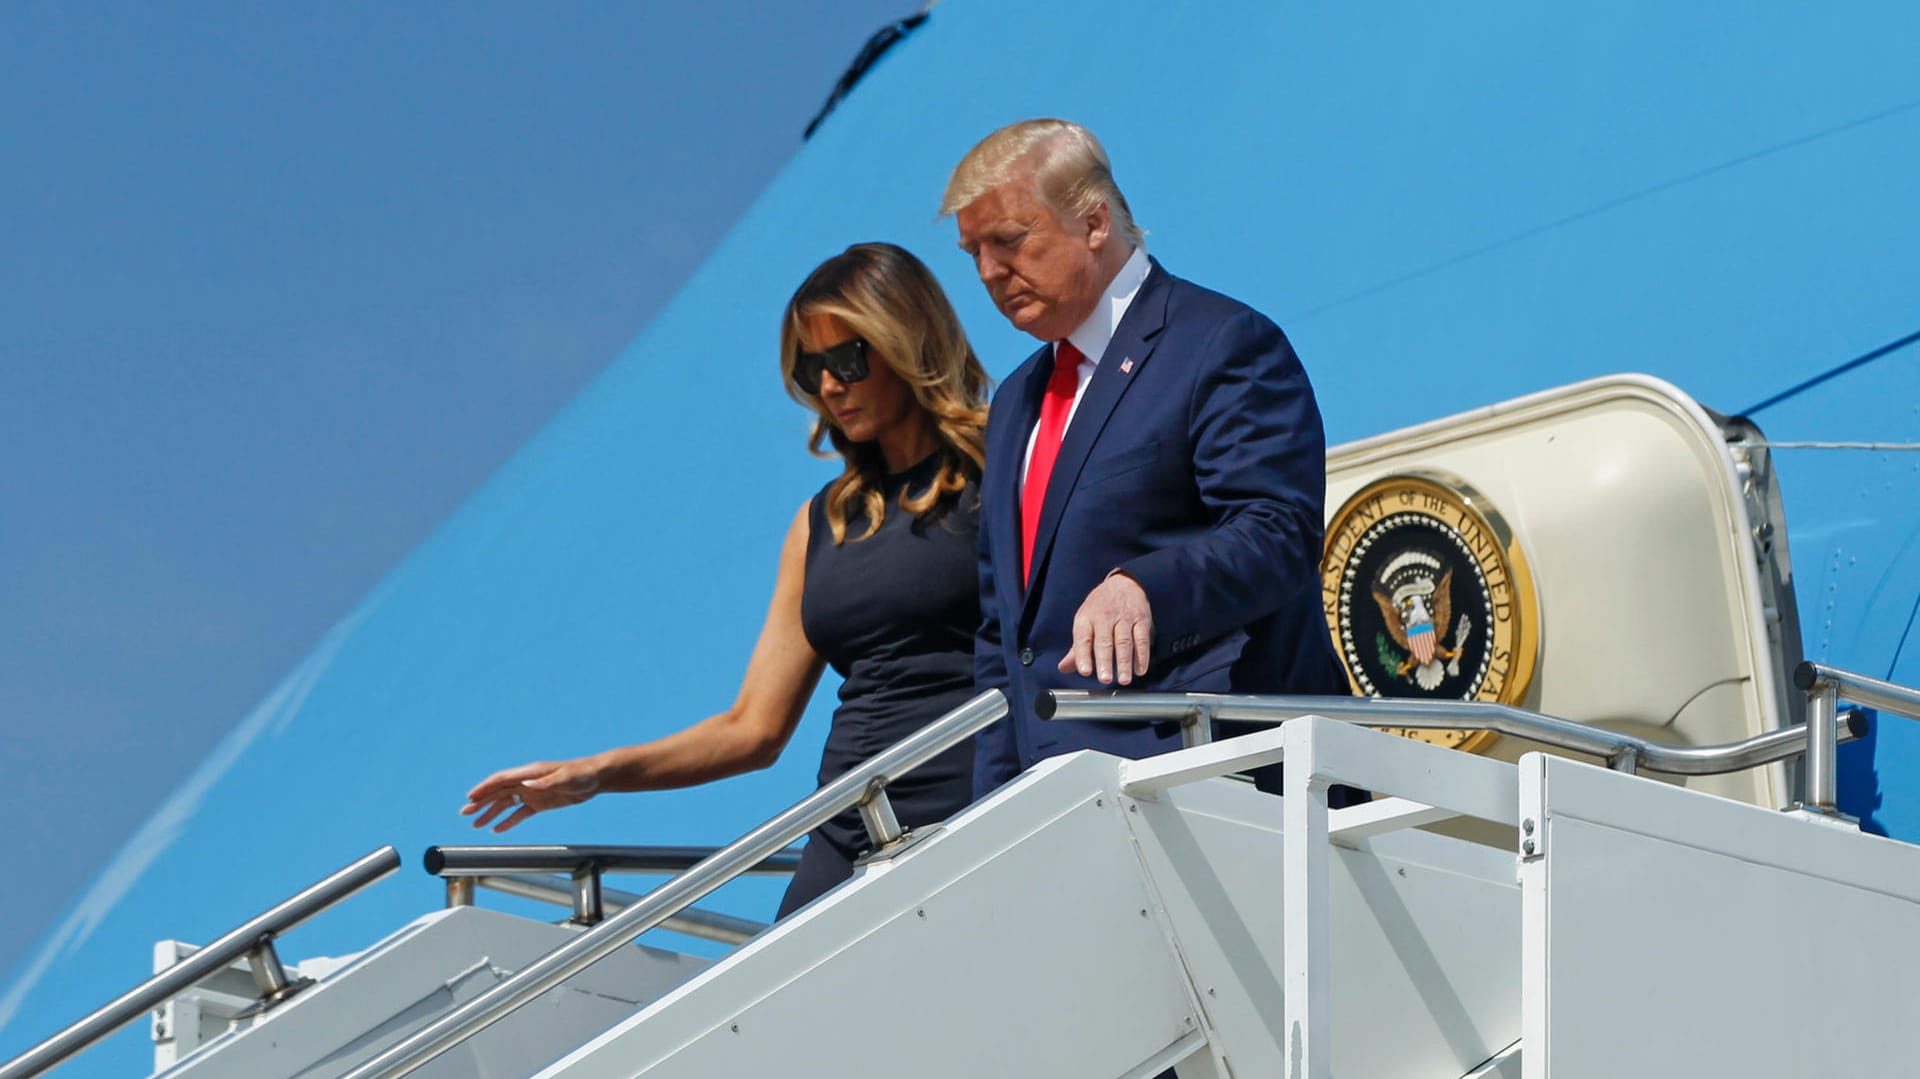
(1026, 657)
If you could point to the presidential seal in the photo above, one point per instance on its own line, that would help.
(1427, 595)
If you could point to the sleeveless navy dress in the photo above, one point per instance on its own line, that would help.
(894, 614)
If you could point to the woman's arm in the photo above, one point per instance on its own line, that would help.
(780, 679)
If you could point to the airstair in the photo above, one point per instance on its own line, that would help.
(1645, 873)
(1103, 917)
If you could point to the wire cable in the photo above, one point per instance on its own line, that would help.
(1902, 646)
(1876, 447)
(1836, 372)
(1604, 207)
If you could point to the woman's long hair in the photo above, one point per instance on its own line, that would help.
(889, 298)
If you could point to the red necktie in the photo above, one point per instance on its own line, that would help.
(1054, 409)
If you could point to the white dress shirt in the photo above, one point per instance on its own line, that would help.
(1093, 336)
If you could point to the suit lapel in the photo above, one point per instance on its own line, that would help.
(1020, 396)
(1128, 351)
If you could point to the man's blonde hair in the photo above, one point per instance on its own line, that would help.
(1068, 166)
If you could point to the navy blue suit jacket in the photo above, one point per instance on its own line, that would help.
(1196, 464)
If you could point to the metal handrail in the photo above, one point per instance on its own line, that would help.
(1860, 689)
(465, 867)
(479, 861)
(694, 922)
(252, 939)
(862, 785)
(1623, 752)
(1825, 687)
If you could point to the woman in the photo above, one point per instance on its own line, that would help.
(877, 576)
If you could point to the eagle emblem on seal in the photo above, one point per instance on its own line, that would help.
(1415, 594)
(1427, 594)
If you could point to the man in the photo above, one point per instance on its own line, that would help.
(1152, 500)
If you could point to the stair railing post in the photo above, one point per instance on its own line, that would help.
(268, 973)
(270, 977)
(1196, 727)
(876, 812)
(589, 902)
(1823, 747)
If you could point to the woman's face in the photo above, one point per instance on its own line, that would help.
(872, 409)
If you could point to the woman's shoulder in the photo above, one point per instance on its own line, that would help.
(813, 517)
(818, 503)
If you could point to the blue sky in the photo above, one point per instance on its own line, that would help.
(280, 286)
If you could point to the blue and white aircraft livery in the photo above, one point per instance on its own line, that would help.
(1443, 206)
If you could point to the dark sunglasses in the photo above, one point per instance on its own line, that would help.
(848, 362)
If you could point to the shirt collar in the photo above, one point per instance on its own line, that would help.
(1092, 336)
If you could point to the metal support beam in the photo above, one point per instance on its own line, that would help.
(589, 906)
(1626, 761)
(1350, 826)
(876, 812)
(269, 976)
(1305, 855)
(1823, 758)
(1147, 778)
(1196, 727)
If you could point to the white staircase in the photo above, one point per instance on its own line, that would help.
(1106, 918)
(1067, 927)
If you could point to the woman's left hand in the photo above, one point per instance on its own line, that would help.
(529, 789)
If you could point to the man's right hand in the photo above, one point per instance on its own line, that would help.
(1112, 632)
(530, 789)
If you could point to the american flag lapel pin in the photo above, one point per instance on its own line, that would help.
(1126, 366)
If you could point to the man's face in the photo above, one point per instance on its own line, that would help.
(1042, 272)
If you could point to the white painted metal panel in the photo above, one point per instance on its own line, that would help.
(1424, 936)
(1020, 940)
(1673, 933)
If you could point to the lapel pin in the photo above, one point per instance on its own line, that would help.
(1126, 366)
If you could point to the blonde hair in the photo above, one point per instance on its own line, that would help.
(1069, 169)
(891, 300)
